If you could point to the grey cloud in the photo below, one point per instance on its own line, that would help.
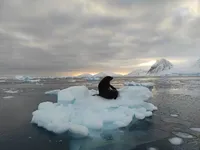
(115, 35)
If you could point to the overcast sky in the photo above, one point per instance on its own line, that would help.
(57, 36)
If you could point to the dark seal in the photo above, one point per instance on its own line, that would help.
(106, 90)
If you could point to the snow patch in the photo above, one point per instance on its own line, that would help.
(78, 112)
(176, 141)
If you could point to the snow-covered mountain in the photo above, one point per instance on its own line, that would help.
(160, 66)
(197, 64)
(103, 74)
(86, 75)
(137, 72)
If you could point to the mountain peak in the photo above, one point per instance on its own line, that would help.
(159, 66)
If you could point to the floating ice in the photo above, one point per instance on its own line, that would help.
(183, 135)
(195, 129)
(72, 81)
(176, 141)
(23, 78)
(92, 78)
(8, 97)
(11, 91)
(78, 112)
(152, 148)
(174, 115)
(2, 81)
(34, 80)
(53, 92)
(132, 83)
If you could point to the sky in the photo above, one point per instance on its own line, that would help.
(71, 37)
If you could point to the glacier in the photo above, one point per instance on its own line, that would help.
(79, 113)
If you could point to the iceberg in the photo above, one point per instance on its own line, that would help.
(27, 79)
(79, 113)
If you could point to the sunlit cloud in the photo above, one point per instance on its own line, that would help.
(150, 63)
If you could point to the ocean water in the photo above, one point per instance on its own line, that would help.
(177, 99)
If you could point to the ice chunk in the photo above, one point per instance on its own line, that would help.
(2, 81)
(11, 91)
(72, 81)
(174, 115)
(195, 129)
(34, 80)
(183, 135)
(53, 92)
(152, 148)
(7, 97)
(72, 93)
(176, 141)
(78, 112)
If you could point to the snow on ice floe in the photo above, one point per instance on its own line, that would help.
(132, 83)
(176, 141)
(79, 112)
(195, 129)
(7, 97)
(53, 92)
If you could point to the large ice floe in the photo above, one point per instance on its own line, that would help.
(79, 113)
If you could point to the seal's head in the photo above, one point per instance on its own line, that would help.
(108, 78)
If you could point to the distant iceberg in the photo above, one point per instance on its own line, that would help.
(92, 78)
(80, 113)
(27, 79)
(132, 83)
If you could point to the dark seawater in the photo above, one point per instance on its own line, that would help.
(172, 95)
